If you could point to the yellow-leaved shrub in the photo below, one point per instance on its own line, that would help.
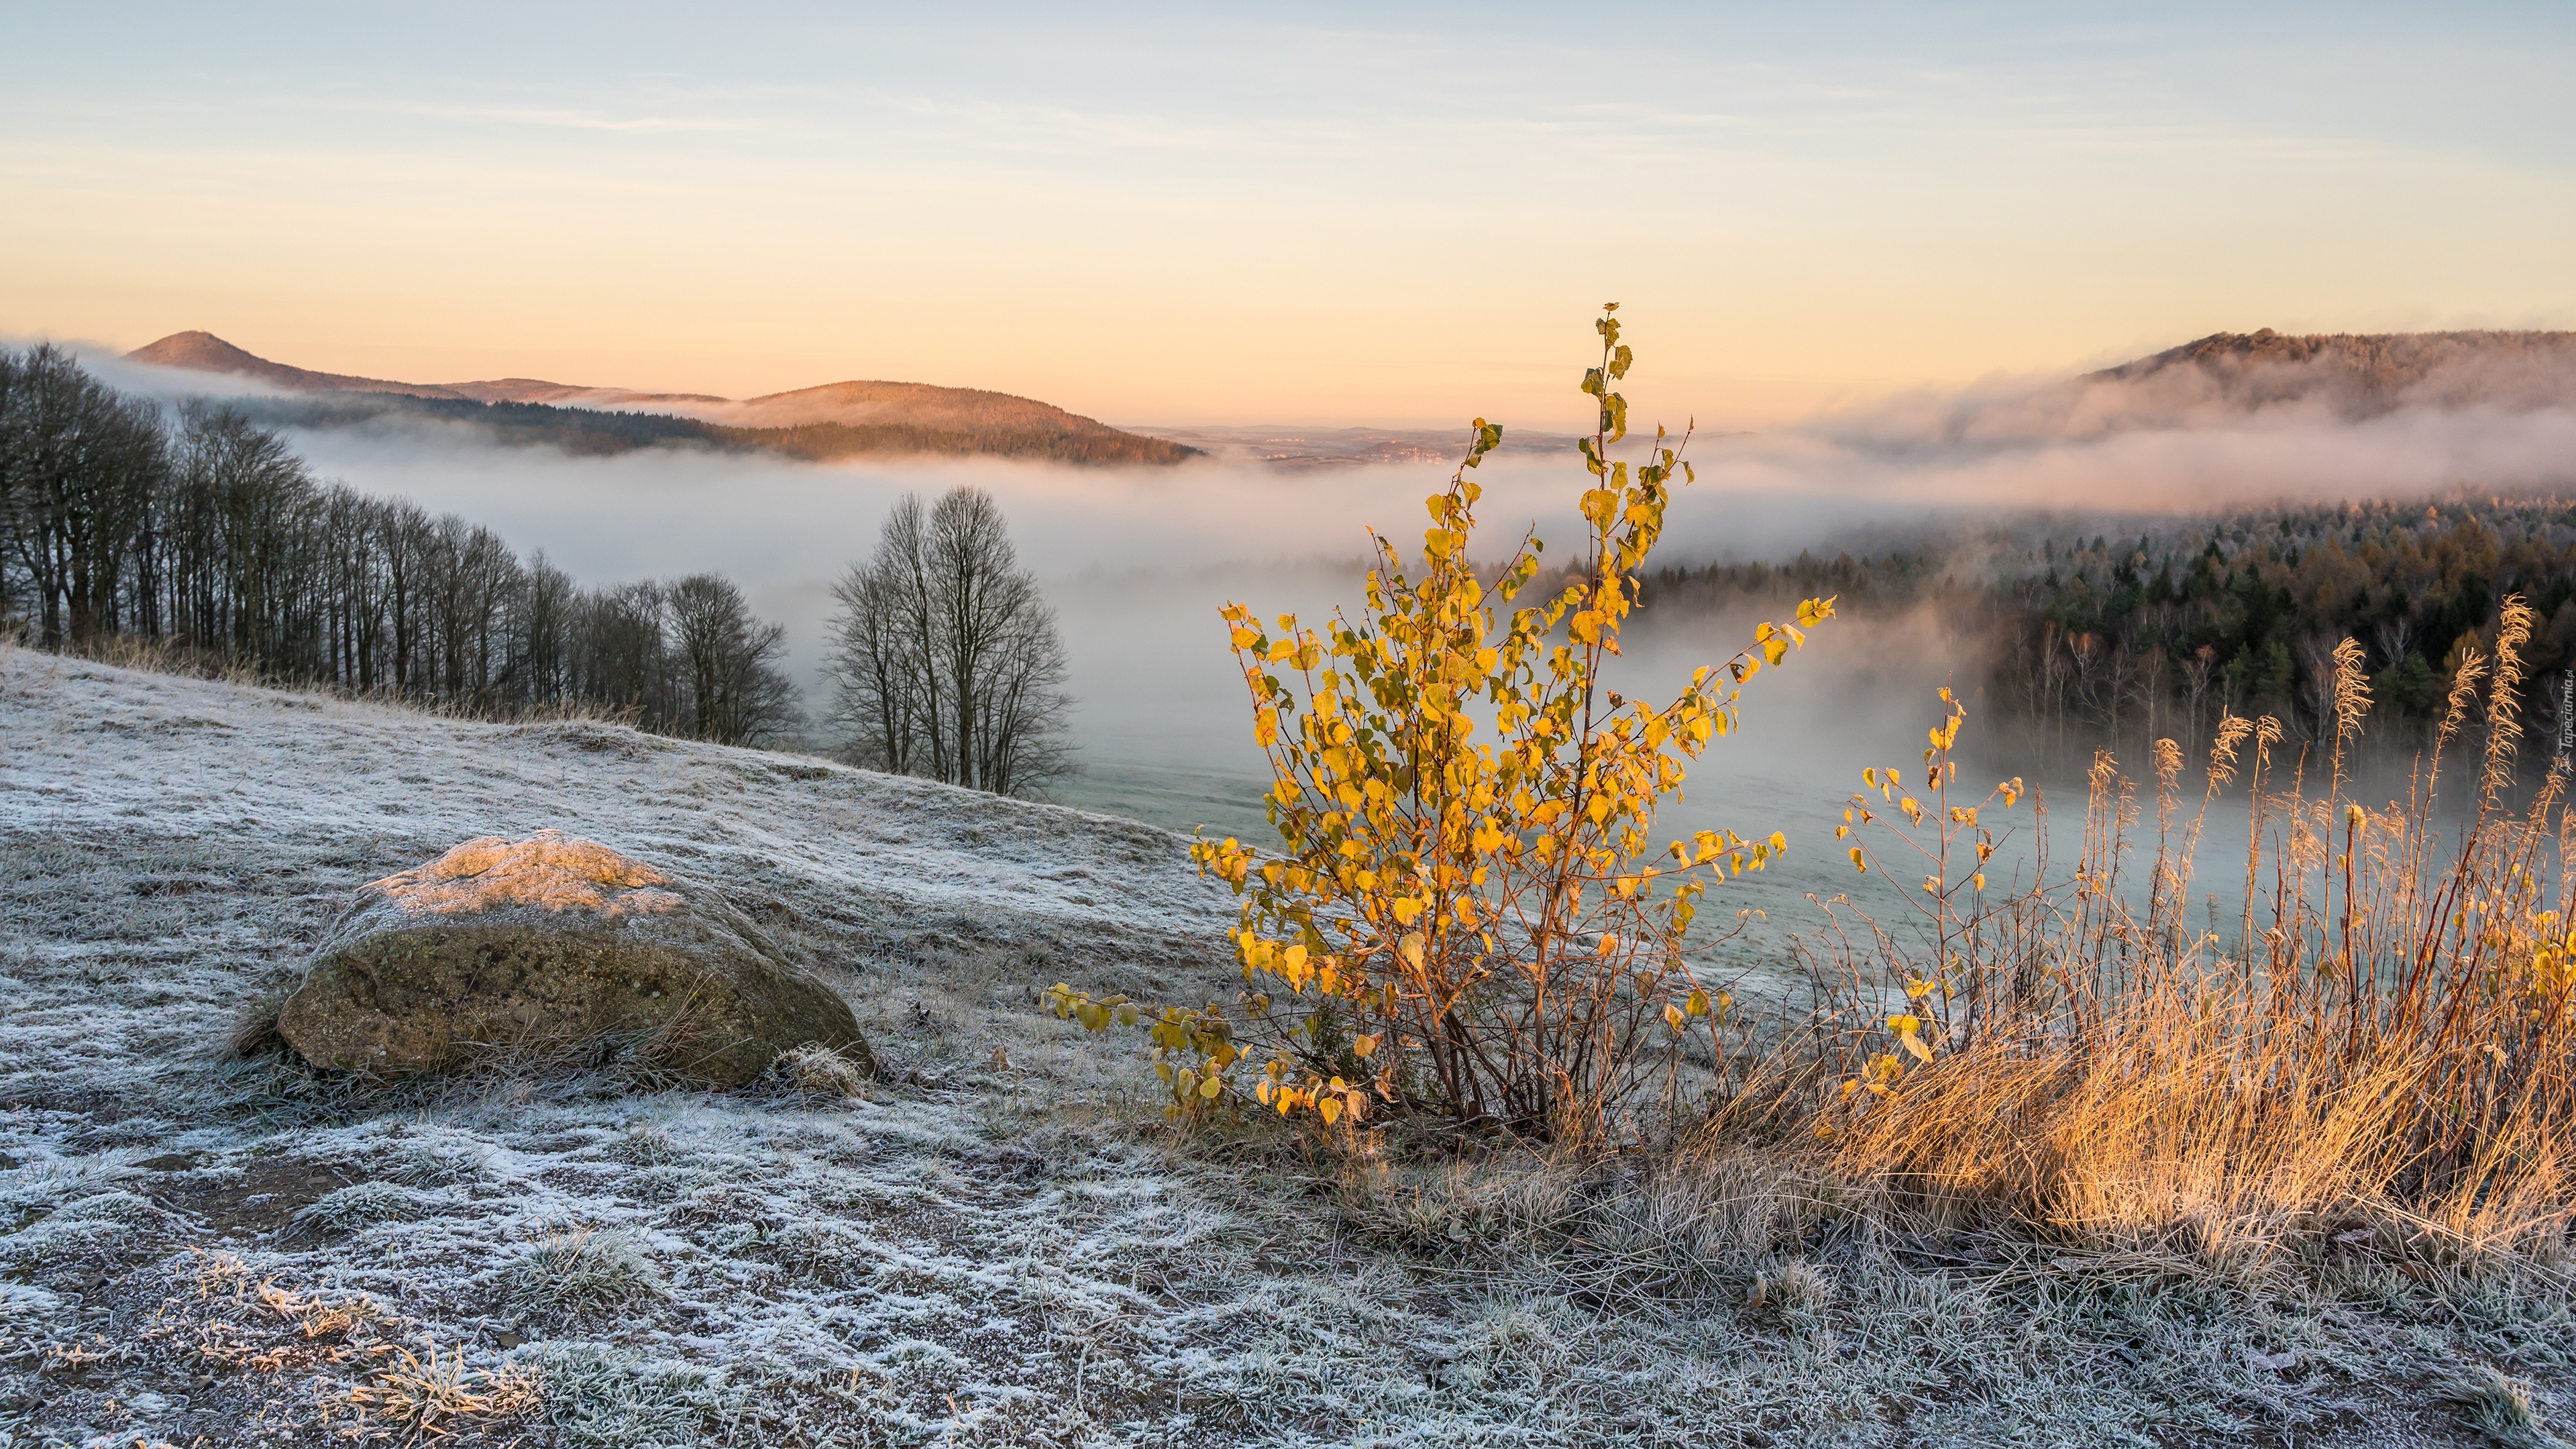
(1468, 913)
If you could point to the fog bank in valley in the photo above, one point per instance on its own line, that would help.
(1137, 561)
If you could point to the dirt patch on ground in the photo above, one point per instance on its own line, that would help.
(254, 1201)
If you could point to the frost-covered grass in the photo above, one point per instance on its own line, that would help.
(195, 1248)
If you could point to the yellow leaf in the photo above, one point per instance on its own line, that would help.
(1331, 1107)
(1210, 1086)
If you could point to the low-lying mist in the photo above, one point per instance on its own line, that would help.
(2177, 441)
(1137, 561)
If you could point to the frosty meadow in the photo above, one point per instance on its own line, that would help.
(1444, 1116)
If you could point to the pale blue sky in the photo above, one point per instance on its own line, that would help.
(1346, 213)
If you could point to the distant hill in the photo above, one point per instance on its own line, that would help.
(205, 352)
(1301, 450)
(2364, 373)
(836, 420)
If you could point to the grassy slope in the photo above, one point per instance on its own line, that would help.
(1013, 1257)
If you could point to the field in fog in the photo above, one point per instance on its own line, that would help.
(1137, 563)
(1137, 566)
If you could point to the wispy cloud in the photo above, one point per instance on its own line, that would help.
(563, 118)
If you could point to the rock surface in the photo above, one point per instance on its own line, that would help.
(548, 944)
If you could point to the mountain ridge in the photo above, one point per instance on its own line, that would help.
(2368, 372)
(829, 420)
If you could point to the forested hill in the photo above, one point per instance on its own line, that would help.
(837, 420)
(2192, 616)
(2364, 373)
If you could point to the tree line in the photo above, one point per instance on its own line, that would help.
(2243, 613)
(204, 535)
(2158, 632)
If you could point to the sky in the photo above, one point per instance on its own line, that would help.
(1375, 214)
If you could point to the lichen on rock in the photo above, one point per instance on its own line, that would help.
(549, 869)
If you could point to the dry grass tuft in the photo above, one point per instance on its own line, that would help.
(1797, 1293)
(254, 1032)
(816, 1070)
(431, 1397)
(2385, 1054)
(2499, 1407)
(578, 1272)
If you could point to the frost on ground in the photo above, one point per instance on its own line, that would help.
(196, 1248)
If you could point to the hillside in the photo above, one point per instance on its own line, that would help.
(205, 352)
(1008, 1247)
(836, 420)
(2364, 373)
(168, 846)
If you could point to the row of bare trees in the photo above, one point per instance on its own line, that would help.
(209, 538)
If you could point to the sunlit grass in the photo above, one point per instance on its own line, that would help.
(2381, 1054)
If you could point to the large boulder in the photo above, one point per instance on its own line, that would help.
(554, 943)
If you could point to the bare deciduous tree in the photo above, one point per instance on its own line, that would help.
(79, 467)
(946, 662)
(729, 660)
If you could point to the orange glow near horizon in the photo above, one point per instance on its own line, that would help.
(1294, 223)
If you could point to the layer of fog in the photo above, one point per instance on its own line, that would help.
(2178, 440)
(1137, 562)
